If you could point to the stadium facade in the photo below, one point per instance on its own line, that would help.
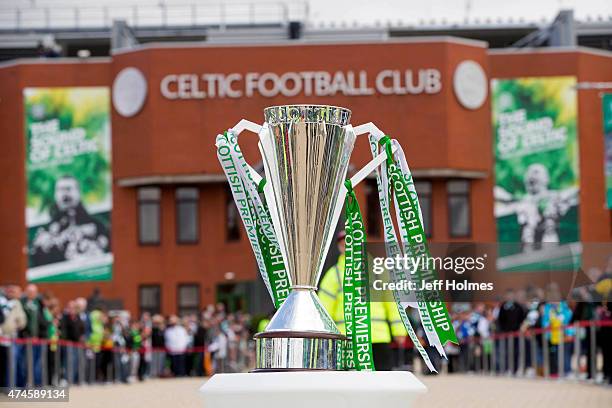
(176, 241)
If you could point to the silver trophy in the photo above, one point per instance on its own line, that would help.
(306, 162)
(306, 151)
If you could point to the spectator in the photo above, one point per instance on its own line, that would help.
(158, 344)
(201, 338)
(50, 310)
(603, 287)
(219, 347)
(510, 317)
(557, 314)
(35, 328)
(72, 330)
(176, 339)
(12, 320)
(94, 341)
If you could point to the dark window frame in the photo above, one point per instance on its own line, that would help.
(467, 196)
(177, 201)
(157, 286)
(430, 221)
(373, 215)
(141, 201)
(229, 200)
(178, 297)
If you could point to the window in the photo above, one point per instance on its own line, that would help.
(187, 224)
(423, 189)
(459, 208)
(373, 217)
(149, 299)
(149, 215)
(188, 298)
(232, 220)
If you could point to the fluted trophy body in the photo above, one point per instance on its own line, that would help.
(306, 162)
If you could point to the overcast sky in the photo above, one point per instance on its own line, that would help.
(412, 11)
(363, 12)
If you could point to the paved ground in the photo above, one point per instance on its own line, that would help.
(444, 391)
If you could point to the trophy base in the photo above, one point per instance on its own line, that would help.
(295, 351)
(354, 389)
(300, 336)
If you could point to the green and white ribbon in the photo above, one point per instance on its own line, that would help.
(432, 310)
(396, 181)
(255, 217)
(356, 296)
(393, 249)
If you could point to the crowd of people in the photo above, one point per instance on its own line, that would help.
(556, 334)
(42, 343)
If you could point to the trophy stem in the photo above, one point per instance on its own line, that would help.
(300, 336)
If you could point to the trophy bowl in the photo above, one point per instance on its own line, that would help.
(306, 163)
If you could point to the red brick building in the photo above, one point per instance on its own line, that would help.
(164, 159)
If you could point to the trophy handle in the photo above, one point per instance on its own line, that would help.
(264, 141)
(367, 128)
(255, 128)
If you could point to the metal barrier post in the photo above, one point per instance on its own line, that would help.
(81, 365)
(534, 351)
(561, 354)
(12, 361)
(510, 345)
(92, 368)
(522, 355)
(469, 359)
(577, 330)
(117, 369)
(593, 346)
(57, 365)
(493, 357)
(502, 355)
(44, 367)
(485, 362)
(545, 356)
(30, 363)
(69, 365)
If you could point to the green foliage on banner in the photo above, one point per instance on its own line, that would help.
(536, 161)
(63, 110)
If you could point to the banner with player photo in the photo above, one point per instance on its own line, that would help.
(606, 102)
(536, 173)
(69, 184)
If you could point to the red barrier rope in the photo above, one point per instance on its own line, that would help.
(202, 349)
(35, 341)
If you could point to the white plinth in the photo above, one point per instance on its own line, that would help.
(311, 389)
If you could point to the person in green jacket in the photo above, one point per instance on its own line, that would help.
(97, 320)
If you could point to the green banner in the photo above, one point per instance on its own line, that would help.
(69, 184)
(606, 104)
(536, 173)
